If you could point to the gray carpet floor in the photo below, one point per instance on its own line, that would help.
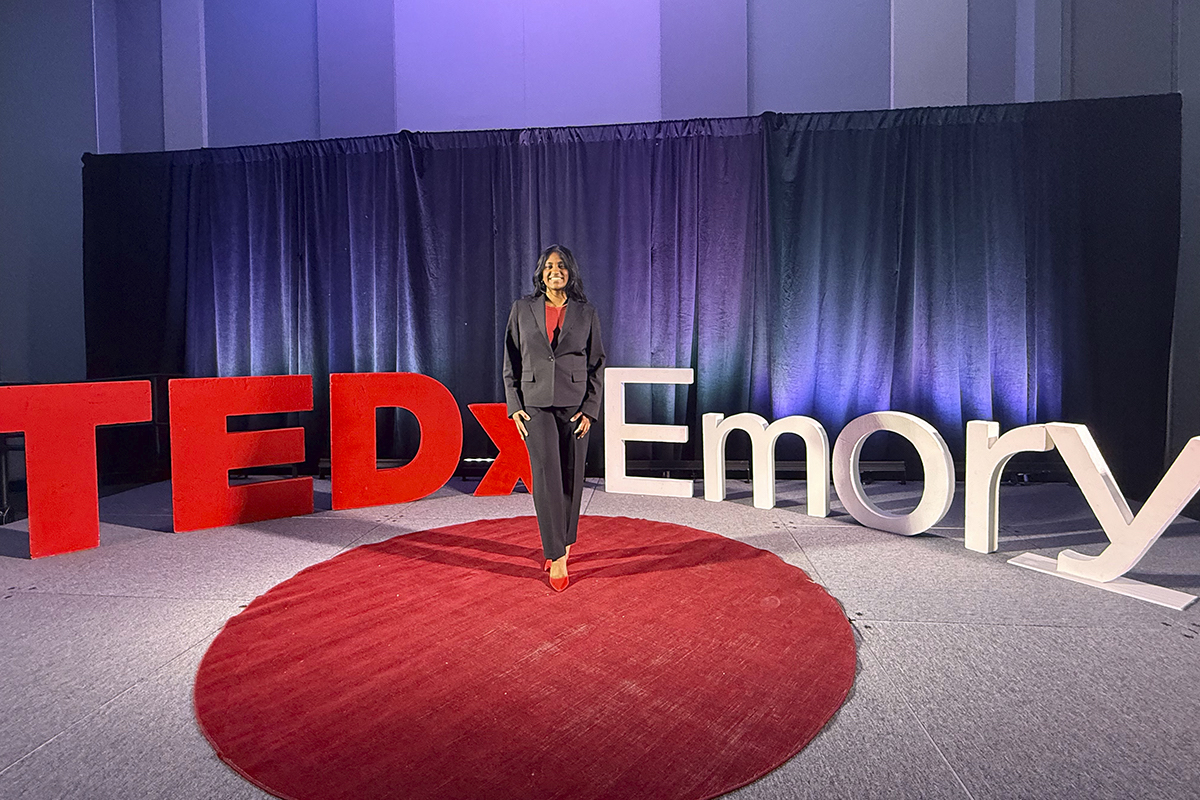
(976, 679)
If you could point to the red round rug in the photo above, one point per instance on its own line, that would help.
(440, 664)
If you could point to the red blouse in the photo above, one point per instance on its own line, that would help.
(554, 321)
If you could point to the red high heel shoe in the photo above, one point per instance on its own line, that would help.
(558, 584)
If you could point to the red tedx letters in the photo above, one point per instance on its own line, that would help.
(59, 422)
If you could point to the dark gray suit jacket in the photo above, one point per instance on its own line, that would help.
(571, 374)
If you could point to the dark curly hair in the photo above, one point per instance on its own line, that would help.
(574, 287)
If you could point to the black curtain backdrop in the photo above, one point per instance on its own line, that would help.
(1013, 262)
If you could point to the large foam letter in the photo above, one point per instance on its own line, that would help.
(203, 450)
(353, 398)
(59, 422)
(617, 432)
(987, 453)
(762, 449)
(1130, 536)
(935, 458)
(512, 464)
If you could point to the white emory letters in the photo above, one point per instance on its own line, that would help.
(1130, 536)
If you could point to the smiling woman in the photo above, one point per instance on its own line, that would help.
(553, 375)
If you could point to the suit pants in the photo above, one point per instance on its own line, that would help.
(557, 458)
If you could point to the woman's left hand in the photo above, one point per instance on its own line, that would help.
(585, 424)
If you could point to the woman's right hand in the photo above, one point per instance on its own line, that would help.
(519, 417)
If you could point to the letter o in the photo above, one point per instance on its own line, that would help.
(935, 458)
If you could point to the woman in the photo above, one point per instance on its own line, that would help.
(553, 371)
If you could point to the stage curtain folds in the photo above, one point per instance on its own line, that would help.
(1014, 263)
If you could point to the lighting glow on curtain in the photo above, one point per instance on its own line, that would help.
(926, 260)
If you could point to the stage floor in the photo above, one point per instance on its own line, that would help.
(976, 678)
